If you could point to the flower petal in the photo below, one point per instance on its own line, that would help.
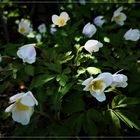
(29, 99)
(55, 19)
(107, 78)
(123, 16)
(119, 80)
(22, 117)
(92, 46)
(86, 82)
(65, 16)
(16, 97)
(100, 96)
(10, 108)
(89, 30)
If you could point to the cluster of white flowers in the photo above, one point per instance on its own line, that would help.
(22, 106)
(96, 86)
(119, 17)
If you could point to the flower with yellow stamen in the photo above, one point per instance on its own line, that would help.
(60, 20)
(24, 27)
(119, 17)
(22, 107)
(96, 86)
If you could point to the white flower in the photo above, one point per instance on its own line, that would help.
(93, 46)
(42, 28)
(38, 37)
(27, 53)
(22, 107)
(119, 17)
(60, 20)
(99, 21)
(24, 27)
(132, 34)
(96, 86)
(53, 30)
(89, 30)
(119, 80)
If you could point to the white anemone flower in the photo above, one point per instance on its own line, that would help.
(24, 27)
(119, 17)
(60, 20)
(89, 30)
(22, 107)
(119, 80)
(27, 53)
(132, 34)
(99, 21)
(42, 28)
(93, 46)
(96, 86)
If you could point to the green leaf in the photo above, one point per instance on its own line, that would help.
(123, 101)
(62, 79)
(80, 71)
(89, 126)
(78, 123)
(93, 70)
(41, 80)
(94, 115)
(115, 119)
(73, 103)
(29, 69)
(54, 67)
(66, 57)
(66, 88)
(75, 122)
(128, 118)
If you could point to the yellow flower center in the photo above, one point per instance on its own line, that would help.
(61, 21)
(21, 107)
(22, 29)
(118, 17)
(96, 85)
